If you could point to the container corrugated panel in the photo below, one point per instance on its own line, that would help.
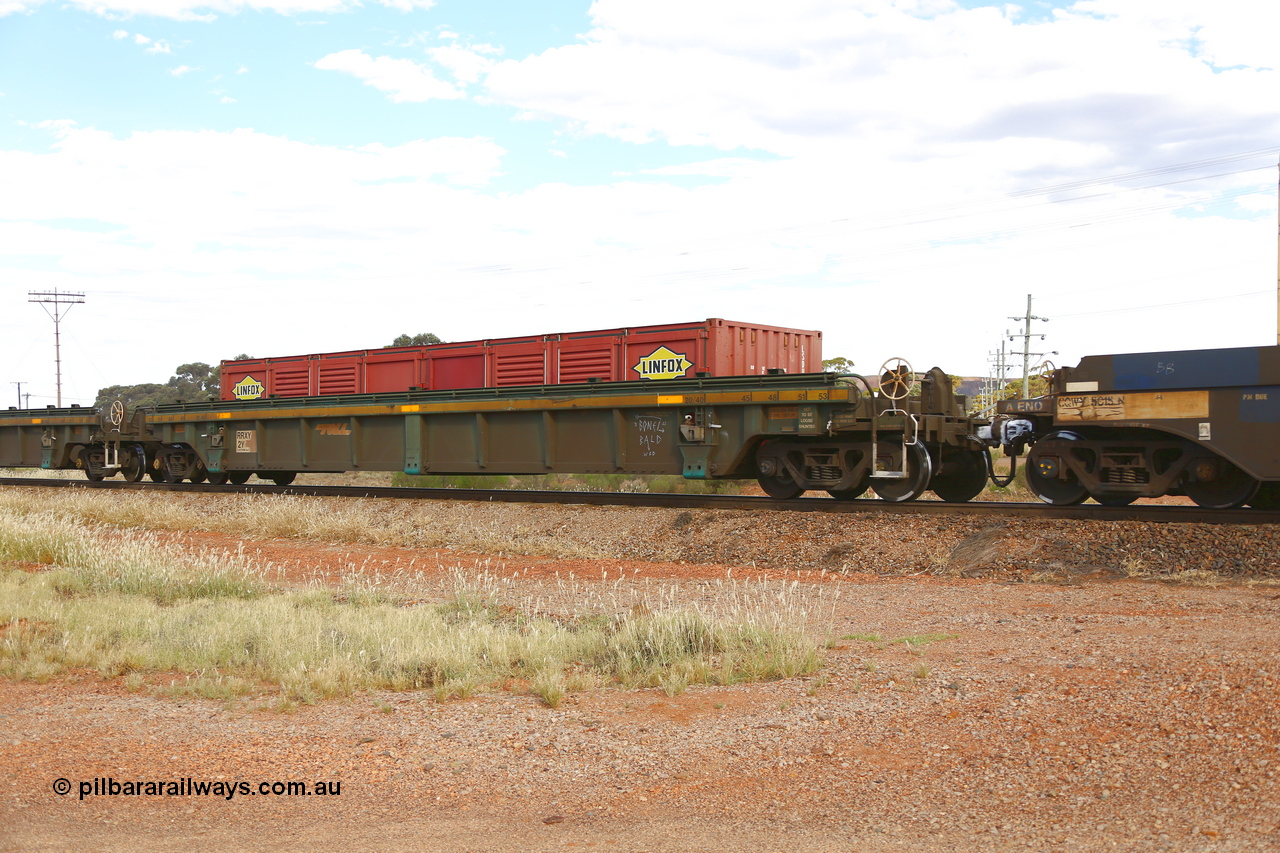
(739, 349)
(290, 379)
(716, 347)
(339, 376)
(518, 366)
(583, 365)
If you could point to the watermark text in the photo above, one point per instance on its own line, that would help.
(187, 787)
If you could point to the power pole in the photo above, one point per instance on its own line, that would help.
(994, 383)
(57, 300)
(1026, 352)
(19, 384)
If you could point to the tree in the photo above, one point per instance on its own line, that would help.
(1039, 387)
(195, 381)
(416, 340)
(134, 396)
(839, 364)
(191, 383)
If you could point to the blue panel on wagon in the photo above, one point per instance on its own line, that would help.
(1260, 405)
(1214, 368)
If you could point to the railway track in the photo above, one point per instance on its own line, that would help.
(1159, 513)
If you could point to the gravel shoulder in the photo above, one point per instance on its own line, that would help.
(1084, 709)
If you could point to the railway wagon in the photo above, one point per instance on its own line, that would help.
(841, 434)
(1199, 423)
(713, 347)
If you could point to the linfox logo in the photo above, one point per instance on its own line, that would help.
(662, 363)
(333, 429)
(247, 389)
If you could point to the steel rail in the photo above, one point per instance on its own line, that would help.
(1160, 513)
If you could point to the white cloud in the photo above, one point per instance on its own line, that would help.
(850, 166)
(1225, 33)
(467, 64)
(877, 80)
(152, 46)
(137, 179)
(402, 79)
(13, 7)
(60, 127)
(181, 70)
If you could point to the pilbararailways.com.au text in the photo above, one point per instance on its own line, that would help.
(188, 787)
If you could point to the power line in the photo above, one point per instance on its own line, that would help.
(1158, 170)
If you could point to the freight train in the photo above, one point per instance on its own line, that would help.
(1203, 424)
(900, 436)
(1199, 423)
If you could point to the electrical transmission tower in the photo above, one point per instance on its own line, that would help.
(57, 299)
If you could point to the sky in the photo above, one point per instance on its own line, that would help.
(277, 177)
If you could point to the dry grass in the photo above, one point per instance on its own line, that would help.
(42, 474)
(125, 604)
(365, 522)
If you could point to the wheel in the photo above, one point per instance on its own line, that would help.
(134, 464)
(915, 484)
(780, 486)
(774, 477)
(1267, 497)
(1043, 475)
(280, 478)
(239, 478)
(93, 468)
(1221, 485)
(963, 476)
(219, 479)
(200, 474)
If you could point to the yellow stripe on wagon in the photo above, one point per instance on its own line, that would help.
(549, 403)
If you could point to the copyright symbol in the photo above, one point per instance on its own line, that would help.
(61, 787)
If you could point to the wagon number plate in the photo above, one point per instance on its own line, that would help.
(246, 441)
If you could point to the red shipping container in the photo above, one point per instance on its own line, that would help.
(716, 347)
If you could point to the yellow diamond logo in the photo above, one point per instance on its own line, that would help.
(662, 363)
(247, 389)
